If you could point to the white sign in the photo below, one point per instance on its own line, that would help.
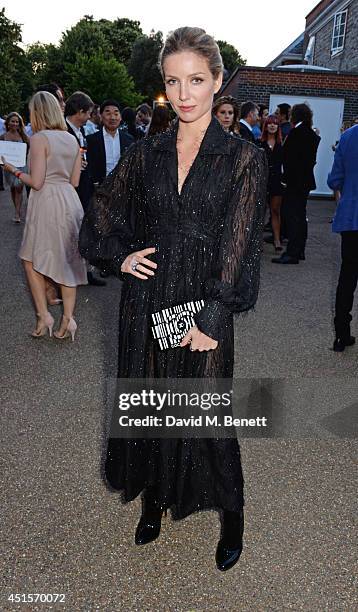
(13, 152)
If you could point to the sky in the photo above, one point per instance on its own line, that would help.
(259, 30)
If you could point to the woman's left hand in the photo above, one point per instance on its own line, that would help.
(8, 167)
(198, 340)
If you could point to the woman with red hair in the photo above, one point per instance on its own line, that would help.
(271, 142)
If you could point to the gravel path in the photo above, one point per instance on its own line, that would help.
(64, 531)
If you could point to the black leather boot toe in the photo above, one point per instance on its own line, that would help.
(229, 547)
(340, 343)
(148, 528)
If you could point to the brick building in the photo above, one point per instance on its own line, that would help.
(258, 84)
(330, 39)
(333, 97)
(321, 62)
(331, 35)
(320, 67)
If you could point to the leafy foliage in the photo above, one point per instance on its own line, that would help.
(143, 65)
(11, 55)
(231, 56)
(101, 57)
(121, 34)
(101, 78)
(90, 57)
(45, 63)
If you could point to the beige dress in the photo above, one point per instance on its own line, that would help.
(54, 216)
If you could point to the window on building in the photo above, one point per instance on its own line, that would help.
(339, 31)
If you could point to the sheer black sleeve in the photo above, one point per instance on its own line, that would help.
(234, 289)
(112, 225)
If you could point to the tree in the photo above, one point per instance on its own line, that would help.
(101, 78)
(87, 38)
(46, 63)
(231, 56)
(143, 65)
(84, 38)
(121, 35)
(25, 83)
(37, 54)
(10, 54)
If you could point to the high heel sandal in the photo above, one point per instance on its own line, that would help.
(69, 331)
(46, 323)
(148, 528)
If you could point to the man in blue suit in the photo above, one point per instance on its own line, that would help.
(344, 179)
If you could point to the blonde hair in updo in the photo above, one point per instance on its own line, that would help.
(197, 41)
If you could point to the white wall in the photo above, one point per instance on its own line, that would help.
(327, 117)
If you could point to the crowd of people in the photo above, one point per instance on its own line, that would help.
(105, 131)
(181, 216)
(290, 144)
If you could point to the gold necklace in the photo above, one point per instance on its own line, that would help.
(196, 141)
(196, 144)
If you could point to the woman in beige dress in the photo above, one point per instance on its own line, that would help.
(54, 215)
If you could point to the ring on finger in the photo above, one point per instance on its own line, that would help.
(134, 264)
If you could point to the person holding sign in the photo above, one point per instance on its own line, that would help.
(15, 133)
(50, 243)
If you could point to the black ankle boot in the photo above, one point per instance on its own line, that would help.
(340, 343)
(148, 528)
(230, 546)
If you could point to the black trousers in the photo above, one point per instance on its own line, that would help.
(347, 283)
(294, 212)
(1, 178)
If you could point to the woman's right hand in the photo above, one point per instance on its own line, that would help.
(144, 266)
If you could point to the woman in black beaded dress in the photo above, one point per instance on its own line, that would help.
(180, 219)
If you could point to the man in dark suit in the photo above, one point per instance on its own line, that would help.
(283, 113)
(105, 147)
(249, 116)
(299, 159)
(78, 109)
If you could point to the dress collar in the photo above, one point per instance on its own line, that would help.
(216, 140)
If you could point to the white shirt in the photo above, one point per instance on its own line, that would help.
(77, 131)
(90, 128)
(112, 146)
(2, 126)
(28, 130)
(247, 124)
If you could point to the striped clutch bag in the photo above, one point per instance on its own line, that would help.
(170, 325)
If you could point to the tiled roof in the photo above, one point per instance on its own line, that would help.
(295, 48)
(298, 48)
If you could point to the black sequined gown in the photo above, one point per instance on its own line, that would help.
(208, 241)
